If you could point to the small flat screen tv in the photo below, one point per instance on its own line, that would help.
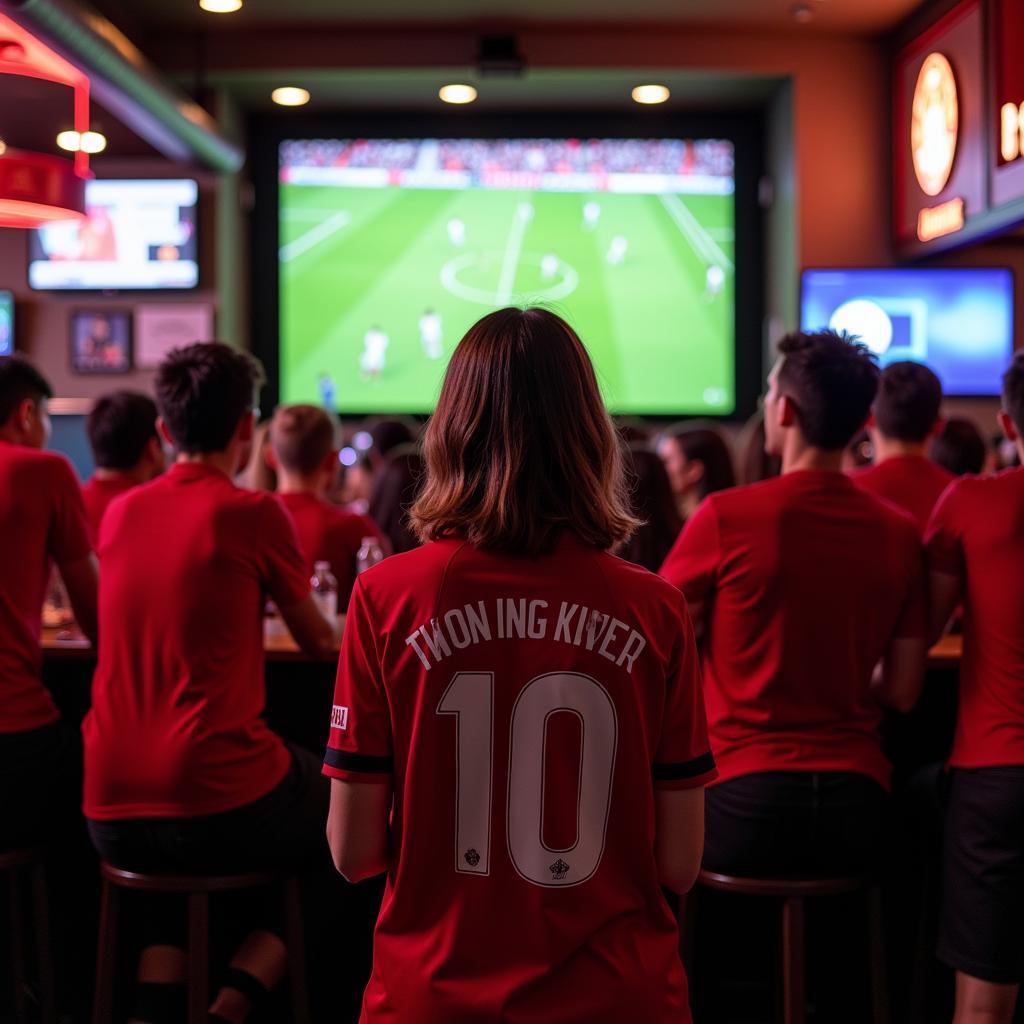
(957, 320)
(391, 248)
(136, 235)
(6, 323)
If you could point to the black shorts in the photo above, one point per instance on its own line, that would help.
(981, 931)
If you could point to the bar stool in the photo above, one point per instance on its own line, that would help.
(793, 892)
(21, 866)
(197, 889)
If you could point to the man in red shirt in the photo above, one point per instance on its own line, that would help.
(125, 447)
(904, 419)
(799, 586)
(181, 772)
(42, 522)
(304, 454)
(517, 736)
(975, 546)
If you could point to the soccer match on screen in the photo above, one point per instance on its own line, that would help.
(391, 249)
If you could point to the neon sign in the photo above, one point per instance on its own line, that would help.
(934, 124)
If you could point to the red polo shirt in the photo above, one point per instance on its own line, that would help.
(804, 579)
(912, 482)
(41, 518)
(175, 727)
(977, 532)
(97, 494)
(524, 709)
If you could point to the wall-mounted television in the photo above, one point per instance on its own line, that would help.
(957, 320)
(6, 323)
(136, 235)
(390, 248)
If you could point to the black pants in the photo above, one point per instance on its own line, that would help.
(40, 785)
(793, 824)
(283, 830)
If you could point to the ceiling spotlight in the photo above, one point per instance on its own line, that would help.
(457, 93)
(220, 6)
(650, 93)
(290, 96)
(85, 142)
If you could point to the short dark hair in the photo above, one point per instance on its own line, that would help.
(1013, 391)
(960, 448)
(831, 379)
(120, 426)
(908, 401)
(19, 380)
(703, 442)
(203, 391)
(302, 437)
(520, 446)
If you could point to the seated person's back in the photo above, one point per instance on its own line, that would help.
(904, 418)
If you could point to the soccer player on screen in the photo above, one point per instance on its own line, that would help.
(714, 281)
(617, 250)
(431, 333)
(524, 866)
(591, 215)
(456, 232)
(548, 266)
(375, 347)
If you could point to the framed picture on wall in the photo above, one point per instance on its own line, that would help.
(101, 341)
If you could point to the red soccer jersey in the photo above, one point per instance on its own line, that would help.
(175, 727)
(911, 482)
(41, 518)
(977, 532)
(328, 533)
(804, 580)
(97, 494)
(527, 708)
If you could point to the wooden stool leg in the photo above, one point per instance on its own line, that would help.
(106, 957)
(44, 948)
(793, 1002)
(18, 958)
(876, 949)
(296, 950)
(198, 958)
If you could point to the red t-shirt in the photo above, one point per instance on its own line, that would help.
(328, 533)
(522, 885)
(98, 494)
(804, 580)
(175, 727)
(41, 518)
(912, 482)
(977, 532)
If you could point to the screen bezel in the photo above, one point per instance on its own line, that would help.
(744, 130)
(117, 289)
(968, 395)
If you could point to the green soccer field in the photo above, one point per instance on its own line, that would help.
(660, 332)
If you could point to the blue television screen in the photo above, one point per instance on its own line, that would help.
(6, 323)
(958, 321)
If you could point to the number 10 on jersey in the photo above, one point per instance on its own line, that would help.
(470, 697)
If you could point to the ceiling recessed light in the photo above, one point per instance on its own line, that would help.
(650, 93)
(93, 142)
(71, 141)
(456, 93)
(290, 96)
(220, 6)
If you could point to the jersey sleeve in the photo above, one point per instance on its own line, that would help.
(683, 759)
(692, 564)
(283, 567)
(69, 539)
(943, 538)
(359, 746)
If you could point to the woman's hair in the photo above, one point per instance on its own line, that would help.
(654, 503)
(520, 446)
(394, 489)
(703, 442)
(755, 463)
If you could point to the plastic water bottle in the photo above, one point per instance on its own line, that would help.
(325, 590)
(369, 554)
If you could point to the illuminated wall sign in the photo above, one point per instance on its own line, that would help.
(933, 124)
(936, 221)
(1006, 149)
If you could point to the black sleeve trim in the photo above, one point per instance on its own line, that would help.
(358, 762)
(684, 769)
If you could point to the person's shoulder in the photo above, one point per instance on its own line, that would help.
(38, 460)
(642, 590)
(745, 500)
(1005, 485)
(419, 570)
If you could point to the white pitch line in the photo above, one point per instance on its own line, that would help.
(513, 247)
(314, 236)
(703, 245)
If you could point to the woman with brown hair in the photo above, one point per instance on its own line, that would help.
(698, 462)
(518, 737)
